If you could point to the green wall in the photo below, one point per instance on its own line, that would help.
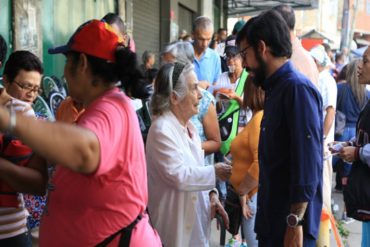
(5, 23)
(60, 19)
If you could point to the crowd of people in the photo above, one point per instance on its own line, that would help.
(245, 129)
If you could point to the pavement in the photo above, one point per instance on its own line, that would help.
(354, 228)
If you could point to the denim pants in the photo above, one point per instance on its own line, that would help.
(248, 224)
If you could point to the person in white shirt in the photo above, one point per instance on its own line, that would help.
(328, 90)
(182, 200)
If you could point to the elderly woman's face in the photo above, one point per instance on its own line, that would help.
(364, 68)
(189, 105)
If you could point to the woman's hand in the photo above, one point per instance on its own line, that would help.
(223, 171)
(348, 153)
(217, 208)
(247, 212)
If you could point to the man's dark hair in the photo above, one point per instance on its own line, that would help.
(270, 28)
(112, 18)
(21, 60)
(221, 30)
(3, 50)
(287, 13)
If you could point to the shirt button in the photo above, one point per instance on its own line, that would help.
(308, 137)
(263, 129)
(194, 198)
(188, 228)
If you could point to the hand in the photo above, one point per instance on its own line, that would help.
(204, 84)
(347, 153)
(223, 171)
(217, 208)
(293, 236)
(247, 212)
(335, 147)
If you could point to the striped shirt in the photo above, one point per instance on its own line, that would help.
(13, 221)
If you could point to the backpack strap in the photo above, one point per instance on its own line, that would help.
(125, 235)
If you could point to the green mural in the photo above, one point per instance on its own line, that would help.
(5, 24)
(60, 19)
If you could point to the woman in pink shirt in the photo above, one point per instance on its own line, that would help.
(98, 194)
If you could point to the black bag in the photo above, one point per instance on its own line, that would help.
(340, 123)
(357, 192)
(233, 209)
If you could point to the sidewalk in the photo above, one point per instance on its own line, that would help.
(354, 228)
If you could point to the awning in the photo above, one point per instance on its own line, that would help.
(314, 34)
(236, 8)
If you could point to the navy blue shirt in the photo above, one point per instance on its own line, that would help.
(290, 153)
(346, 103)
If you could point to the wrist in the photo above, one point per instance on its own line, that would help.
(357, 153)
(293, 220)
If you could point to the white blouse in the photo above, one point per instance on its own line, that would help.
(178, 183)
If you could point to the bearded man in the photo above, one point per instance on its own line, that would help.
(290, 149)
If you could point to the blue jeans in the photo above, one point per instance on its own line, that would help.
(365, 234)
(21, 240)
(248, 224)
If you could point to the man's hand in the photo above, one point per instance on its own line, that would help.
(217, 208)
(223, 171)
(293, 236)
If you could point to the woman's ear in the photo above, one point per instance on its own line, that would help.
(174, 98)
(83, 63)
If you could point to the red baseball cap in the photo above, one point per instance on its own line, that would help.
(95, 38)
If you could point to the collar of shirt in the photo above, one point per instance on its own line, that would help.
(205, 55)
(271, 82)
(189, 126)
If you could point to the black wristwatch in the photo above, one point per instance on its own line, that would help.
(293, 220)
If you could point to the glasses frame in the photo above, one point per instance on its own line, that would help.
(29, 88)
(243, 52)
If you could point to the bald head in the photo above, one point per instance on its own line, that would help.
(287, 13)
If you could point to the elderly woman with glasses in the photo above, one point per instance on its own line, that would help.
(181, 196)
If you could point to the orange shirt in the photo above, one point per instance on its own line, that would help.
(67, 112)
(244, 151)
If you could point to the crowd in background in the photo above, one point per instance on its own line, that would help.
(245, 128)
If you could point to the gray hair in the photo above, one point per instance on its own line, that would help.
(202, 23)
(183, 51)
(146, 56)
(358, 90)
(163, 87)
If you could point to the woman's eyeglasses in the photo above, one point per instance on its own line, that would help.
(28, 87)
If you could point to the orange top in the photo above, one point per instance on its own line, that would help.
(244, 151)
(67, 111)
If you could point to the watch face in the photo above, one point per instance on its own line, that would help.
(292, 220)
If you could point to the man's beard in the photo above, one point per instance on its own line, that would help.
(259, 74)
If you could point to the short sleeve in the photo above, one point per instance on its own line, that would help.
(109, 123)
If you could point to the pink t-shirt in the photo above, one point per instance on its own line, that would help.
(83, 210)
